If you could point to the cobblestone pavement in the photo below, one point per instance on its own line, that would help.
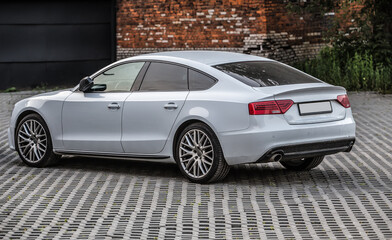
(349, 196)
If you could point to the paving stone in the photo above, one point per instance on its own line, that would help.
(349, 196)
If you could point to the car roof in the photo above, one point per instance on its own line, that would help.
(206, 57)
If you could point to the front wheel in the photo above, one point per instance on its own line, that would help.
(33, 142)
(199, 154)
(303, 163)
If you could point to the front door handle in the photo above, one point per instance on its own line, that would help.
(114, 106)
(170, 106)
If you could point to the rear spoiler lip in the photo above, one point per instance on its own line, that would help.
(277, 91)
(301, 86)
(312, 89)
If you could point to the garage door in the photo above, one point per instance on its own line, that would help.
(54, 43)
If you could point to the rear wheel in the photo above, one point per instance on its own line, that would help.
(33, 142)
(303, 163)
(199, 154)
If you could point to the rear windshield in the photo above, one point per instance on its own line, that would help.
(264, 74)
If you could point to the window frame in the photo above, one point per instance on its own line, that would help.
(165, 62)
(203, 73)
(139, 84)
(286, 65)
(139, 75)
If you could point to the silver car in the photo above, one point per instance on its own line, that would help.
(205, 110)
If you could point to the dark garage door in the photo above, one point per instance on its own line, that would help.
(54, 43)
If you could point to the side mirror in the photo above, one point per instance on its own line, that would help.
(85, 84)
(98, 87)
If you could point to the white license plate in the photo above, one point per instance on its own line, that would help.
(315, 108)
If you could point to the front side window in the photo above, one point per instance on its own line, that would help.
(165, 77)
(119, 78)
(264, 74)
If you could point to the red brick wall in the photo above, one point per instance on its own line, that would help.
(165, 23)
(259, 27)
(304, 28)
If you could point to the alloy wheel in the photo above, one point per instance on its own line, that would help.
(32, 141)
(196, 153)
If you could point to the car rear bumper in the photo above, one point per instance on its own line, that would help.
(273, 133)
(283, 153)
(11, 141)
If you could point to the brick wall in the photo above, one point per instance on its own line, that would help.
(260, 27)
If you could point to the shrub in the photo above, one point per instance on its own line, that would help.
(356, 72)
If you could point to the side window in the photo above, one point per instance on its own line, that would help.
(165, 77)
(199, 81)
(119, 78)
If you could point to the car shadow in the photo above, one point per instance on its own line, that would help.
(149, 168)
(272, 174)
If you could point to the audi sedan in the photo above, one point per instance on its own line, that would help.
(204, 110)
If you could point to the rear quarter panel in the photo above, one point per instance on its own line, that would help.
(223, 107)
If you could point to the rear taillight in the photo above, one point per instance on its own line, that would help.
(284, 105)
(343, 100)
(270, 107)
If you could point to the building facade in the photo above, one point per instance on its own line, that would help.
(57, 42)
(260, 27)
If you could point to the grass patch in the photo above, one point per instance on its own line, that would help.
(358, 72)
(11, 89)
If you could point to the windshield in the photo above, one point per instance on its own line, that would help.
(264, 74)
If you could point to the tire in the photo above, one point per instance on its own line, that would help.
(302, 164)
(34, 143)
(199, 155)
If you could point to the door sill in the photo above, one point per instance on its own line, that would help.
(109, 155)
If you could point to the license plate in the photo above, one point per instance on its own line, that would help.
(315, 108)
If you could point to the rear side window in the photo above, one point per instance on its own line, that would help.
(165, 77)
(264, 74)
(199, 81)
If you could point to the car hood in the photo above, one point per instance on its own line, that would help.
(54, 95)
(59, 95)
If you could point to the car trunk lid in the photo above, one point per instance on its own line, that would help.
(313, 103)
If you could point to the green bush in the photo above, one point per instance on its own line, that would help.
(11, 89)
(357, 72)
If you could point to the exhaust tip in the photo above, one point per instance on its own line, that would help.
(276, 156)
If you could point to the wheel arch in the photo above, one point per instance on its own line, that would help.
(24, 114)
(183, 126)
(48, 157)
(219, 169)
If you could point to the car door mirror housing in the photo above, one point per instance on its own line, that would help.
(85, 84)
(98, 87)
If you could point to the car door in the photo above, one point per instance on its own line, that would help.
(92, 120)
(150, 113)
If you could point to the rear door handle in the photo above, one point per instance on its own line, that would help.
(170, 106)
(114, 106)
